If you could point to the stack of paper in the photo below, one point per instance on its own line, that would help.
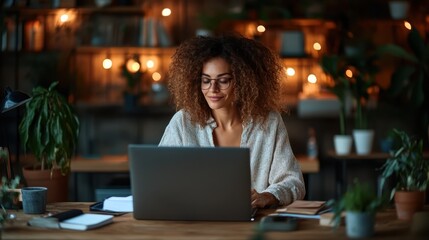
(118, 204)
(304, 209)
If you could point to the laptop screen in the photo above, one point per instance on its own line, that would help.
(190, 183)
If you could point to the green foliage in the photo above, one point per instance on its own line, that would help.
(364, 69)
(50, 128)
(7, 196)
(410, 80)
(407, 164)
(335, 67)
(360, 197)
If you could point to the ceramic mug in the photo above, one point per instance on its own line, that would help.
(34, 199)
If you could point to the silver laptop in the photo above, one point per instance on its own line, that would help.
(190, 183)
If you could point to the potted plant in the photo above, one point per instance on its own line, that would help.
(50, 129)
(362, 70)
(411, 170)
(334, 66)
(360, 204)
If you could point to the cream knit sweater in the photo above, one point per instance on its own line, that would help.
(274, 168)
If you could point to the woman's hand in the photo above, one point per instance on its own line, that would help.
(262, 200)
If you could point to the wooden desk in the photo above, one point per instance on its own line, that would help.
(126, 227)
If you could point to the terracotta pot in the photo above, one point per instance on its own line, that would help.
(57, 184)
(407, 203)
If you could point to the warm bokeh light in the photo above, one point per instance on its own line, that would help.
(107, 63)
(64, 18)
(150, 64)
(290, 71)
(166, 12)
(349, 73)
(260, 28)
(133, 66)
(407, 25)
(312, 78)
(317, 46)
(156, 76)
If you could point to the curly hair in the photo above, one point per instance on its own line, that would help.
(256, 70)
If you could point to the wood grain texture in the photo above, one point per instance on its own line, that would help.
(126, 227)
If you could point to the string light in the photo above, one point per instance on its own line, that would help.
(317, 46)
(64, 18)
(407, 25)
(107, 63)
(290, 71)
(156, 76)
(260, 28)
(166, 12)
(133, 66)
(312, 78)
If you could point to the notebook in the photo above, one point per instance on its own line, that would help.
(190, 183)
(74, 219)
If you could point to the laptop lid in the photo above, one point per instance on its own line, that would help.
(190, 183)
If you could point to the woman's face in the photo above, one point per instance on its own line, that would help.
(217, 84)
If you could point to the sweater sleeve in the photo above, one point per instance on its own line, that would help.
(285, 178)
(173, 132)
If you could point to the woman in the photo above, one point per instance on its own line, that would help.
(227, 90)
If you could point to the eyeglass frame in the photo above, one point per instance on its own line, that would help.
(216, 80)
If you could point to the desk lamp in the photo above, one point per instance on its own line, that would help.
(10, 100)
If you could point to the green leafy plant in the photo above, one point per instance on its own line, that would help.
(8, 196)
(407, 164)
(360, 197)
(363, 65)
(50, 128)
(335, 67)
(410, 79)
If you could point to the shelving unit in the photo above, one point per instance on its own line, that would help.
(81, 38)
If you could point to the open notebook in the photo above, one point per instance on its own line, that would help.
(190, 183)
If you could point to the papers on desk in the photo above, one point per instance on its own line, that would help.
(73, 219)
(118, 204)
(304, 209)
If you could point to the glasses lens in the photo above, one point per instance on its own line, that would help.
(221, 83)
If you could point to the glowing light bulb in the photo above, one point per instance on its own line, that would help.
(317, 46)
(290, 71)
(312, 78)
(156, 76)
(107, 63)
(260, 28)
(150, 64)
(349, 73)
(166, 12)
(133, 66)
(64, 18)
(407, 25)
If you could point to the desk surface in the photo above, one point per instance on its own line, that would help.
(119, 163)
(126, 227)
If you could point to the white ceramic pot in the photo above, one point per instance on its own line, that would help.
(398, 9)
(359, 224)
(363, 139)
(343, 144)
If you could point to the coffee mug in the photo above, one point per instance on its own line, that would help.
(34, 200)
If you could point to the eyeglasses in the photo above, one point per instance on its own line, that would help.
(222, 82)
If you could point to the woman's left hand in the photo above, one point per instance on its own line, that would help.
(262, 200)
